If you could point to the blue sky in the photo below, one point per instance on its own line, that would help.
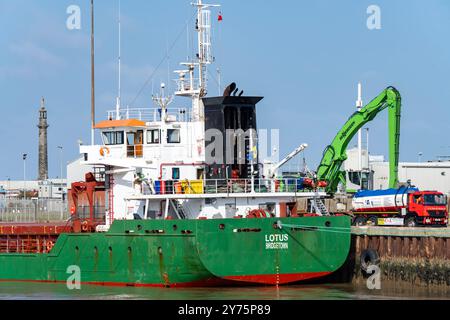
(304, 57)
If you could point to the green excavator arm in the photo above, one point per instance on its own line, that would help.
(335, 154)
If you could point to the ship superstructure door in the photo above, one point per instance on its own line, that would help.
(135, 144)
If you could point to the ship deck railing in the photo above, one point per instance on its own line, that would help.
(13, 210)
(205, 188)
(152, 114)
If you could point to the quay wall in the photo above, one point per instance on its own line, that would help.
(414, 256)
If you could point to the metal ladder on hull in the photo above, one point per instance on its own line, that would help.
(319, 206)
(179, 209)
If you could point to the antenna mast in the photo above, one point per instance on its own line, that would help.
(204, 55)
(359, 105)
(92, 75)
(197, 88)
(163, 102)
(118, 101)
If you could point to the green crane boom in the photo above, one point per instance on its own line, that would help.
(335, 154)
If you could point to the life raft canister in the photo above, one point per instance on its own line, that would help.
(104, 151)
(259, 213)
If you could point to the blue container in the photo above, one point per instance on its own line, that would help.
(158, 187)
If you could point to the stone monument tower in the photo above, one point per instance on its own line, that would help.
(43, 155)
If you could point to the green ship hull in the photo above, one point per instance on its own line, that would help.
(176, 253)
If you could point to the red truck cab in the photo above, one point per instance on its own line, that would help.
(426, 208)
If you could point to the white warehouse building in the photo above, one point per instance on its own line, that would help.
(433, 175)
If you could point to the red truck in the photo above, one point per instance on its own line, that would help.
(404, 206)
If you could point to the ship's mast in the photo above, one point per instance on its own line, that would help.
(92, 75)
(190, 87)
(205, 57)
(119, 94)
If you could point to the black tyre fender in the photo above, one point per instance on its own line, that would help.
(410, 219)
(373, 221)
(359, 221)
(368, 258)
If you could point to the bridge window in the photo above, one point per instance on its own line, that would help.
(154, 136)
(113, 138)
(173, 136)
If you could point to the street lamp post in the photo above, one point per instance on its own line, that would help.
(61, 181)
(420, 157)
(8, 190)
(24, 157)
(8, 195)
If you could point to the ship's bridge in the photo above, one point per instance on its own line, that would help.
(144, 138)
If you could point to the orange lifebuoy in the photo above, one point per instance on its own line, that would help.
(49, 245)
(104, 151)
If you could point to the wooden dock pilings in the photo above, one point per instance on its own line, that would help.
(420, 256)
(427, 243)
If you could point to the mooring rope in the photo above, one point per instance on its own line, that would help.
(318, 228)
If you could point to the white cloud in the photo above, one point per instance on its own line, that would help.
(38, 55)
(133, 78)
(131, 74)
(16, 72)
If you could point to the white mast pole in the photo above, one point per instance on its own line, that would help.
(200, 45)
(118, 102)
(359, 105)
(198, 89)
(368, 158)
(92, 76)
(252, 163)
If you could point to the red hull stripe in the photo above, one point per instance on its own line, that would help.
(274, 279)
(271, 279)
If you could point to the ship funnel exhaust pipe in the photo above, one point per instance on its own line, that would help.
(229, 90)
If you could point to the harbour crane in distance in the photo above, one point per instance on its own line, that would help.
(273, 170)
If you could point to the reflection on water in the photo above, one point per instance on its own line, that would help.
(29, 291)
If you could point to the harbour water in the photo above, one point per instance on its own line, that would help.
(389, 291)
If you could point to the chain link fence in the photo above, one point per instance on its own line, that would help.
(33, 210)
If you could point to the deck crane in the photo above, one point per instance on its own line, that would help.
(273, 170)
(335, 154)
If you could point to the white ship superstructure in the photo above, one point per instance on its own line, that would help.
(159, 162)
